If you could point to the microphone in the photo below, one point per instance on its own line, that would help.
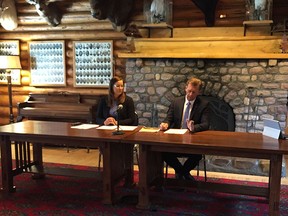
(117, 132)
(120, 106)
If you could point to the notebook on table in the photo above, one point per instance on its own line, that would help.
(273, 129)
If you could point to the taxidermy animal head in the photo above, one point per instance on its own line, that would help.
(8, 14)
(117, 11)
(208, 7)
(50, 12)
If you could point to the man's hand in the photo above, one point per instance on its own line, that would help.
(190, 125)
(163, 126)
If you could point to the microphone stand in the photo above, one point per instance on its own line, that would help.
(117, 132)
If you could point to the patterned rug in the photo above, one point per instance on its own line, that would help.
(58, 195)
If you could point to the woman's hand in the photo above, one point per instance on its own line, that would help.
(110, 121)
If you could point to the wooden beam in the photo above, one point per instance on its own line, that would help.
(264, 47)
(208, 32)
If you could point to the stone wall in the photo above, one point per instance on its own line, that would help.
(255, 89)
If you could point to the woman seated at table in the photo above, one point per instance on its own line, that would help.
(116, 101)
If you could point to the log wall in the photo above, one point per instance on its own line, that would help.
(78, 24)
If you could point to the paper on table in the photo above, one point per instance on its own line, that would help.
(176, 131)
(85, 126)
(121, 127)
(107, 127)
(149, 129)
(127, 128)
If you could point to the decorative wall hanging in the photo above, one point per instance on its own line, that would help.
(10, 47)
(158, 11)
(259, 9)
(47, 63)
(93, 63)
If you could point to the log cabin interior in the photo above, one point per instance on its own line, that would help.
(188, 23)
(77, 24)
(235, 45)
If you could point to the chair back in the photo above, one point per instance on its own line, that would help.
(222, 117)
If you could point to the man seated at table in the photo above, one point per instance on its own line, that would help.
(189, 112)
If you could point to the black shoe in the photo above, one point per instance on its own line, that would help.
(189, 177)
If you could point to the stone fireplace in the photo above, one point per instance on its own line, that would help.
(253, 89)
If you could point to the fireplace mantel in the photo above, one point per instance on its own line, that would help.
(256, 47)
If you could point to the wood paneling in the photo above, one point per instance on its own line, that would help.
(280, 11)
(186, 14)
(78, 24)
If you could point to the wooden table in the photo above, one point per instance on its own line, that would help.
(238, 144)
(27, 135)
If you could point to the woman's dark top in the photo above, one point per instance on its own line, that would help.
(127, 114)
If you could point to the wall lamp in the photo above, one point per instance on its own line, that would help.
(9, 63)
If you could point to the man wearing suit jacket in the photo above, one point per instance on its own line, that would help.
(197, 113)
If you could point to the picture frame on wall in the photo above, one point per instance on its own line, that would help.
(93, 63)
(47, 63)
(10, 47)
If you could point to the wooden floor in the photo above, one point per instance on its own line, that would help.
(77, 156)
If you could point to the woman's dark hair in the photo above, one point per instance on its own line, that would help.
(111, 98)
